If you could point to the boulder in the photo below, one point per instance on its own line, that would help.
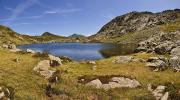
(115, 82)
(176, 51)
(11, 46)
(54, 61)
(123, 59)
(30, 51)
(157, 63)
(95, 83)
(175, 63)
(159, 93)
(164, 47)
(91, 62)
(43, 68)
(126, 82)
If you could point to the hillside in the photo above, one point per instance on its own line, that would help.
(138, 25)
(76, 35)
(8, 35)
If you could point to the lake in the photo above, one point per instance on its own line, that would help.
(82, 51)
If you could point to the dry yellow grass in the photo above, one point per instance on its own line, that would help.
(28, 85)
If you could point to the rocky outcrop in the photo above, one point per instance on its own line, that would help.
(135, 21)
(162, 43)
(157, 63)
(115, 82)
(161, 63)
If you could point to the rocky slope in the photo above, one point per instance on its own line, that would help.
(133, 22)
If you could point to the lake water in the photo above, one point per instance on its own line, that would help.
(81, 51)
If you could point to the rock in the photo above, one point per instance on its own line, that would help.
(54, 61)
(42, 66)
(95, 83)
(43, 69)
(165, 96)
(157, 63)
(47, 73)
(160, 43)
(178, 43)
(158, 92)
(15, 50)
(94, 67)
(123, 59)
(5, 46)
(11, 46)
(30, 51)
(175, 63)
(65, 59)
(126, 82)
(91, 62)
(138, 60)
(164, 47)
(176, 51)
(2, 95)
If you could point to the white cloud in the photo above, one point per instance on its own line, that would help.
(20, 9)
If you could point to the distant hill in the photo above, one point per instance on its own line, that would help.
(138, 25)
(76, 35)
(50, 34)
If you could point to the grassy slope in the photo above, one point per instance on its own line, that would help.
(74, 90)
(30, 86)
(27, 85)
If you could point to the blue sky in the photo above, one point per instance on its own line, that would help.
(65, 17)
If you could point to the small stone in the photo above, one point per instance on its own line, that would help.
(94, 67)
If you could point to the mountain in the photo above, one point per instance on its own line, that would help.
(137, 22)
(49, 34)
(76, 35)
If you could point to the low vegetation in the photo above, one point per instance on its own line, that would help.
(29, 85)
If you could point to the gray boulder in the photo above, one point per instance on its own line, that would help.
(175, 63)
(157, 63)
(164, 47)
(176, 51)
(95, 83)
(54, 61)
(123, 59)
(30, 51)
